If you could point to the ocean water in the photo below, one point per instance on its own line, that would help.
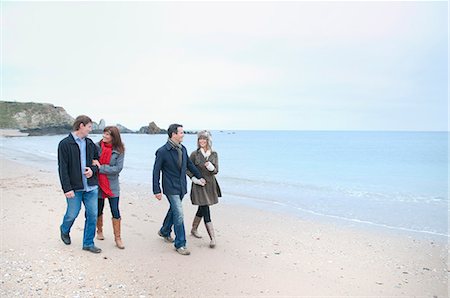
(387, 180)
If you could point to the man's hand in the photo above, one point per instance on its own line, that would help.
(158, 196)
(88, 172)
(70, 194)
(95, 163)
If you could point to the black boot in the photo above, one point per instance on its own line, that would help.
(65, 237)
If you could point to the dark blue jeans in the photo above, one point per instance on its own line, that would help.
(113, 204)
(174, 217)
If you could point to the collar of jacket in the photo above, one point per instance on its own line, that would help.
(170, 147)
(71, 138)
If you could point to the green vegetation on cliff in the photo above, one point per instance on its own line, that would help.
(31, 115)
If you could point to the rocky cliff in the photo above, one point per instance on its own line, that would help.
(31, 115)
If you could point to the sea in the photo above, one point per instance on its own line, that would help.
(394, 181)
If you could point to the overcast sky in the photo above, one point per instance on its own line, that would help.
(233, 65)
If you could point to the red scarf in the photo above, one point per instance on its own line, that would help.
(103, 180)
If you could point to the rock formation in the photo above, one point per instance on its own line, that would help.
(46, 119)
(30, 115)
(123, 129)
(152, 129)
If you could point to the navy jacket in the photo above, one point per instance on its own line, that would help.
(173, 178)
(69, 164)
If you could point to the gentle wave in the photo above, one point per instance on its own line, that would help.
(373, 223)
(235, 182)
(337, 217)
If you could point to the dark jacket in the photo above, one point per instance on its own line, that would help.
(173, 178)
(69, 164)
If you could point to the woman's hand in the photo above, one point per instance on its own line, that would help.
(210, 166)
(197, 181)
(95, 163)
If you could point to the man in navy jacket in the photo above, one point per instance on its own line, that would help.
(173, 161)
(79, 181)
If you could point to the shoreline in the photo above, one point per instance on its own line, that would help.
(12, 133)
(258, 253)
(350, 224)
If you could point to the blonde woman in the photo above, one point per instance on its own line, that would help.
(204, 195)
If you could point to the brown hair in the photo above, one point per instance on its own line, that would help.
(81, 119)
(116, 139)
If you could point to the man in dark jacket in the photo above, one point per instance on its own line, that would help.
(172, 160)
(79, 180)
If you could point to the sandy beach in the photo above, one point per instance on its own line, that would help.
(258, 253)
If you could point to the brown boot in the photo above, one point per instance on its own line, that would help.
(100, 228)
(195, 224)
(210, 229)
(116, 228)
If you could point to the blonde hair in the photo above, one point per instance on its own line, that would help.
(204, 134)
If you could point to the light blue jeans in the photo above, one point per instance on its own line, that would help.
(175, 218)
(89, 199)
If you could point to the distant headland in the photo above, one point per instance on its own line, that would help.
(38, 119)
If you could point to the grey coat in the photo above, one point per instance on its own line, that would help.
(208, 194)
(112, 171)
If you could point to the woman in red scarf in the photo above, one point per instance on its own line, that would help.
(110, 163)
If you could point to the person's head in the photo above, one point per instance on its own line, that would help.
(176, 133)
(111, 135)
(204, 140)
(82, 126)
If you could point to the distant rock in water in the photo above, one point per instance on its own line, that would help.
(100, 126)
(123, 129)
(28, 116)
(143, 129)
(152, 129)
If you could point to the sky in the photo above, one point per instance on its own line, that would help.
(233, 65)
